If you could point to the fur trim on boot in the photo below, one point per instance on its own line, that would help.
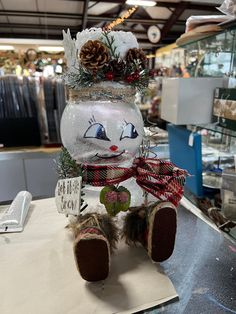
(95, 238)
(135, 226)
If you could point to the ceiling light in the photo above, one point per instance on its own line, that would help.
(6, 47)
(50, 49)
(143, 3)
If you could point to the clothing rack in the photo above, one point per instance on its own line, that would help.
(30, 107)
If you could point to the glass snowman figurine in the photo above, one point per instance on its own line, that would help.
(102, 129)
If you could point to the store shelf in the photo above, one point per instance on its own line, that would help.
(215, 128)
(197, 212)
(212, 54)
(205, 40)
(229, 26)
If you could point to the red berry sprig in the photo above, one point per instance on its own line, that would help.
(129, 78)
(109, 76)
(136, 76)
(132, 77)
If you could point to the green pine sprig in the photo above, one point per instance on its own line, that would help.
(142, 83)
(67, 166)
(109, 43)
(83, 78)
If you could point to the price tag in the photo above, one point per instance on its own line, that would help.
(191, 140)
(68, 195)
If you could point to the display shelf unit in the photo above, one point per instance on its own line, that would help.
(214, 127)
(213, 55)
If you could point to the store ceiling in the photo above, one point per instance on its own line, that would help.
(45, 19)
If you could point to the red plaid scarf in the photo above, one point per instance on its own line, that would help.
(158, 177)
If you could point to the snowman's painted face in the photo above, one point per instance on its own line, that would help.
(102, 132)
(98, 131)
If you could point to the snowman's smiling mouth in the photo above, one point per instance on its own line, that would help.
(109, 156)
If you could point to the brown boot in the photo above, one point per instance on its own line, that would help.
(154, 227)
(161, 231)
(95, 238)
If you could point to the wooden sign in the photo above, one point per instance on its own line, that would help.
(68, 196)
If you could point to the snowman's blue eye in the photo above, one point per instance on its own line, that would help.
(97, 131)
(129, 132)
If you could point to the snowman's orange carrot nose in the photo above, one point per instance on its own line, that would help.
(113, 148)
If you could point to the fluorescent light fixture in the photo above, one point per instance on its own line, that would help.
(143, 3)
(51, 49)
(6, 47)
(28, 42)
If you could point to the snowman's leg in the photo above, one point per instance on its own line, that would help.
(95, 239)
(161, 231)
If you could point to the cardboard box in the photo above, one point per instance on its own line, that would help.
(188, 100)
(224, 107)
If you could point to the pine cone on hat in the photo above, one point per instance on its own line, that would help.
(117, 65)
(94, 55)
(136, 54)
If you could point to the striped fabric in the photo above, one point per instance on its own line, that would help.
(159, 177)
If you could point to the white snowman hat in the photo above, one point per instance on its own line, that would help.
(99, 56)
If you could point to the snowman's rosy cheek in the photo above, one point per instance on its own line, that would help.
(129, 132)
(97, 131)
